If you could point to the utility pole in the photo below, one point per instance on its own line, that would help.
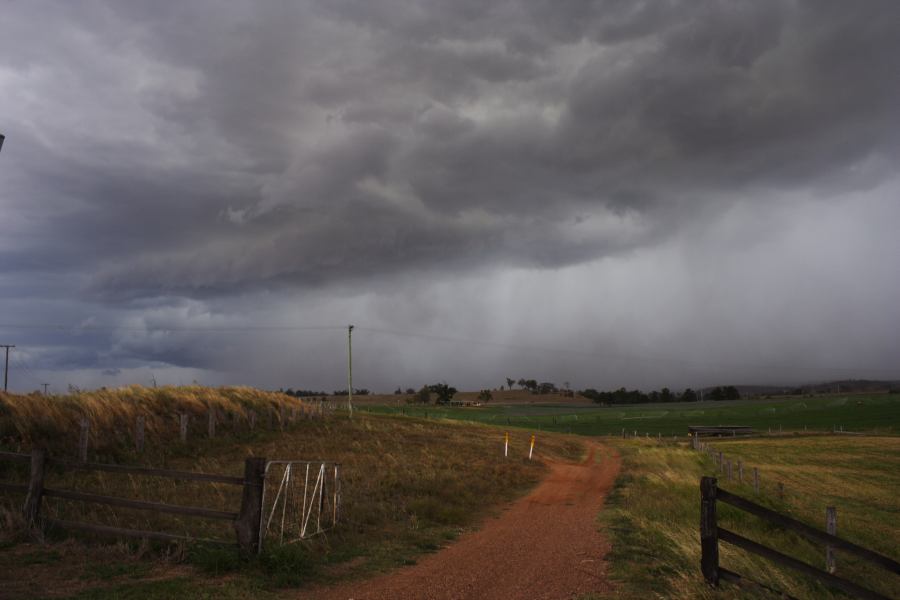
(45, 387)
(6, 369)
(350, 369)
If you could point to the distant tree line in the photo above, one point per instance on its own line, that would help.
(533, 386)
(303, 393)
(624, 396)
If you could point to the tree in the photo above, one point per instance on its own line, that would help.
(731, 393)
(485, 396)
(688, 395)
(444, 392)
(510, 382)
(666, 395)
(423, 396)
(521, 383)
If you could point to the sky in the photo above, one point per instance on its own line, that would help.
(611, 193)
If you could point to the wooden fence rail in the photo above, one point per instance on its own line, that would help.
(246, 521)
(711, 534)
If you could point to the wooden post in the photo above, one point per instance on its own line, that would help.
(756, 480)
(252, 418)
(250, 516)
(211, 424)
(183, 426)
(740, 472)
(83, 439)
(729, 471)
(709, 532)
(139, 433)
(337, 493)
(271, 418)
(282, 416)
(830, 527)
(780, 491)
(32, 508)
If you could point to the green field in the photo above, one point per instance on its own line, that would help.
(878, 413)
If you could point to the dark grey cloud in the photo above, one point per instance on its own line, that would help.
(220, 154)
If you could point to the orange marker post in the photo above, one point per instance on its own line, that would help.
(531, 448)
(506, 444)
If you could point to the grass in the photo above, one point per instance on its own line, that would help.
(652, 514)
(870, 412)
(53, 422)
(409, 486)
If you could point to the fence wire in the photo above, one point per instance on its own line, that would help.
(301, 499)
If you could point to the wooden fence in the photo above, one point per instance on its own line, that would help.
(246, 520)
(711, 534)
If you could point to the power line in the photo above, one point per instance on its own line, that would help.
(80, 328)
(616, 356)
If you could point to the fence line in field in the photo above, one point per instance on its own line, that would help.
(711, 534)
(247, 520)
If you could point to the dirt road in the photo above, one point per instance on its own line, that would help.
(545, 546)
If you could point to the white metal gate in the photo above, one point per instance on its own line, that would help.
(301, 499)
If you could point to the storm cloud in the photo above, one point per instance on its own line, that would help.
(434, 167)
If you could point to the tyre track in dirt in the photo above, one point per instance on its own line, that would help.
(545, 546)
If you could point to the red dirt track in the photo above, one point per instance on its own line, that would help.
(545, 546)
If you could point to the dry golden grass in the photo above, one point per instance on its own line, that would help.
(32, 420)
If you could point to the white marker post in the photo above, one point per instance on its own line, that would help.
(531, 447)
(506, 444)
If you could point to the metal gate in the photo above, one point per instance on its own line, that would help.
(301, 499)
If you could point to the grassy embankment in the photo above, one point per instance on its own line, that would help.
(877, 413)
(408, 487)
(653, 517)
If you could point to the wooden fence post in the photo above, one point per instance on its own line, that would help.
(709, 532)
(183, 426)
(252, 418)
(83, 439)
(740, 472)
(729, 471)
(249, 518)
(139, 433)
(211, 424)
(32, 508)
(780, 491)
(756, 480)
(830, 527)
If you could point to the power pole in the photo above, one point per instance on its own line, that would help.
(6, 369)
(45, 387)
(350, 369)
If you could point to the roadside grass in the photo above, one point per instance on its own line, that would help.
(409, 486)
(875, 413)
(652, 515)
